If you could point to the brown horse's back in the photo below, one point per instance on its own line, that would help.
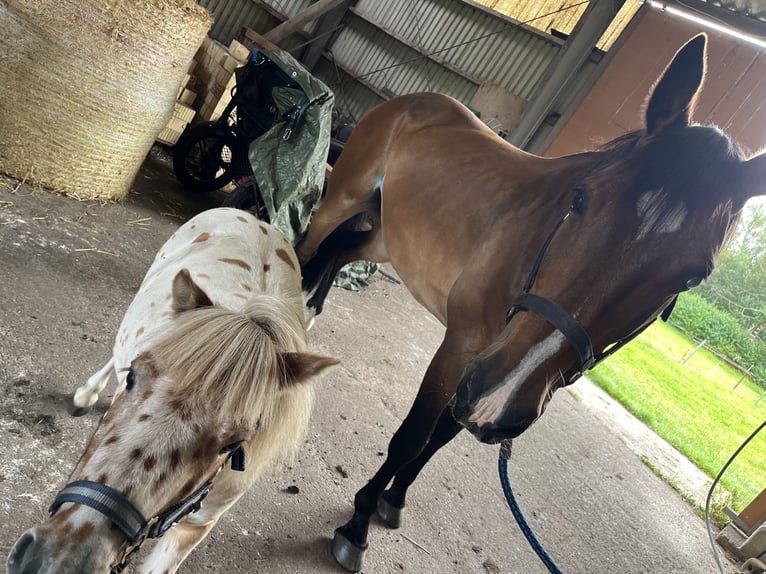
(435, 161)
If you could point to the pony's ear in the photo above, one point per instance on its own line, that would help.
(755, 181)
(186, 293)
(673, 96)
(300, 367)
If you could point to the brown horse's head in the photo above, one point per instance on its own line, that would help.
(650, 212)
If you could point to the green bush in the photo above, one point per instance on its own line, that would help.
(722, 332)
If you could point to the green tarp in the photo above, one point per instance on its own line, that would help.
(290, 171)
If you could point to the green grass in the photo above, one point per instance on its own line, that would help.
(693, 406)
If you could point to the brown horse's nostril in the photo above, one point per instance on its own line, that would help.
(21, 560)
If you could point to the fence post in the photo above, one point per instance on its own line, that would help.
(710, 373)
(690, 355)
(742, 378)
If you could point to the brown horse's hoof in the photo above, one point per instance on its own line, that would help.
(76, 411)
(346, 553)
(389, 514)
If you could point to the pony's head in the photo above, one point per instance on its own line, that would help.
(217, 381)
(648, 215)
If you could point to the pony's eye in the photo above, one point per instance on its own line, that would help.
(231, 447)
(130, 380)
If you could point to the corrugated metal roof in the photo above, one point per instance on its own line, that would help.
(562, 15)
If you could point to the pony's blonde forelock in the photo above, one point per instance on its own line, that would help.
(229, 359)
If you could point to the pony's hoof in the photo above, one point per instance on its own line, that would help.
(76, 411)
(346, 553)
(389, 514)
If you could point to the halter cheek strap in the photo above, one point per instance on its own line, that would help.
(560, 318)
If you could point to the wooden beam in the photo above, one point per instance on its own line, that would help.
(325, 33)
(562, 71)
(253, 40)
(302, 18)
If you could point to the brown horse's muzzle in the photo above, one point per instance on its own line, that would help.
(473, 387)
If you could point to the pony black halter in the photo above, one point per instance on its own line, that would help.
(125, 516)
(559, 317)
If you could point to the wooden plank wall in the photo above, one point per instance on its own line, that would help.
(733, 96)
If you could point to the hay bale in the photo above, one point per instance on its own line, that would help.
(86, 85)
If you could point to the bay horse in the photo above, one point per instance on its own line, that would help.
(535, 266)
(212, 370)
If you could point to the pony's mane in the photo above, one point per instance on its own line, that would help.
(230, 361)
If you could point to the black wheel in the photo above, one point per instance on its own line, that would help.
(241, 197)
(246, 196)
(207, 157)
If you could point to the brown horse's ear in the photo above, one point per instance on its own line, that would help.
(673, 96)
(755, 181)
(186, 293)
(300, 367)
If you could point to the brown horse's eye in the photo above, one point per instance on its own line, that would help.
(693, 282)
(580, 200)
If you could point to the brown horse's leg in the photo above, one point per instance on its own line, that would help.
(357, 238)
(406, 445)
(392, 500)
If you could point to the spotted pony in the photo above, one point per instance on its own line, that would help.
(210, 360)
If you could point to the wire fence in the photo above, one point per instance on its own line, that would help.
(700, 344)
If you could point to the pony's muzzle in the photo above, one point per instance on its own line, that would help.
(26, 556)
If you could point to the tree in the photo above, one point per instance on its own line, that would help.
(738, 285)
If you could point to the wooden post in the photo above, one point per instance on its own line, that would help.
(742, 378)
(308, 14)
(754, 514)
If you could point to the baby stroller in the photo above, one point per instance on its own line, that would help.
(272, 139)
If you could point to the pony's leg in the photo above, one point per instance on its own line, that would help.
(392, 500)
(87, 395)
(175, 546)
(178, 542)
(408, 442)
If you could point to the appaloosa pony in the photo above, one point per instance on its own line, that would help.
(212, 370)
(534, 265)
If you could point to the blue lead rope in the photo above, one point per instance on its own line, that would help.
(502, 468)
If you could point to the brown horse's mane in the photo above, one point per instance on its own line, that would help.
(226, 361)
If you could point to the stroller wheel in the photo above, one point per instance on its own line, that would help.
(247, 196)
(207, 157)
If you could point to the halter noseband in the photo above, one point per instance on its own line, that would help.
(124, 514)
(560, 318)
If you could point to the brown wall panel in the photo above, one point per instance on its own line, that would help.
(732, 96)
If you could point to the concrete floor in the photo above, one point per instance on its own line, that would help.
(68, 270)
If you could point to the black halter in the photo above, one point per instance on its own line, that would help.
(560, 318)
(125, 516)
